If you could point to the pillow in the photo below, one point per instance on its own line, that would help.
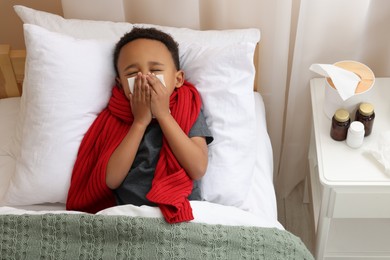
(220, 64)
(86, 29)
(67, 83)
(224, 76)
(82, 29)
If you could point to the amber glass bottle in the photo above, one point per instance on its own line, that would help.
(366, 115)
(340, 125)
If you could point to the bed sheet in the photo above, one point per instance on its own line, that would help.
(260, 205)
(9, 110)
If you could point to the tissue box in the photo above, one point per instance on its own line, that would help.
(333, 101)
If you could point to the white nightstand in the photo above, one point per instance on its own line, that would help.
(350, 191)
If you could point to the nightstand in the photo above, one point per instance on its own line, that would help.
(350, 190)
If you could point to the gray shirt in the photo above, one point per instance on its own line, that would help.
(138, 181)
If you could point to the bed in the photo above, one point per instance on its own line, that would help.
(50, 95)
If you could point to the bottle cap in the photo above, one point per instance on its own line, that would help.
(366, 109)
(355, 134)
(341, 115)
(356, 127)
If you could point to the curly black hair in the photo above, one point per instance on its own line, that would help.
(148, 33)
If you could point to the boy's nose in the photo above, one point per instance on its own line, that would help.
(144, 72)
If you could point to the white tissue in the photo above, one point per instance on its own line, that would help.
(344, 80)
(132, 79)
(131, 84)
(381, 151)
(161, 78)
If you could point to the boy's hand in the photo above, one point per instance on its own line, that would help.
(159, 97)
(140, 100)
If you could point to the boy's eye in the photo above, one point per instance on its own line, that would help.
(131, 74)
(155, 70)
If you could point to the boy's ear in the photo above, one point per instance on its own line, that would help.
(179, 80)
(118, 82)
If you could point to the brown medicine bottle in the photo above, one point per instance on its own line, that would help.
(340, 125)
(366, 115)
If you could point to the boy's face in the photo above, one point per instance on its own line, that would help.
(145, 55)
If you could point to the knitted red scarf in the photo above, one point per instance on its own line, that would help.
(171, 185)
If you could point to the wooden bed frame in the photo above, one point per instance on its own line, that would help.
(12, 71)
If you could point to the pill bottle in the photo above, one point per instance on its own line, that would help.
(366, 115)
(355, 134)
(340, 125)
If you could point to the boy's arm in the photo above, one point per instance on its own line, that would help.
(191, 153)
(123, 157)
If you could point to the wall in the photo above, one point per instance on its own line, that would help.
(111, 10)
(162, 12)
(11, 27)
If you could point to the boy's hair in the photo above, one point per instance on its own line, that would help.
(148, 33)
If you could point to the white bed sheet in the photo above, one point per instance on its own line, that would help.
(260, 205)
(203, 211)
(9, 110)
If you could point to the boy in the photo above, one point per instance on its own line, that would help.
(147, 147)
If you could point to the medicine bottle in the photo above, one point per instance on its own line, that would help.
(340, 125)
(366, 115)
(355, 134)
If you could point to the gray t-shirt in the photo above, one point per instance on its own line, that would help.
(138, 182)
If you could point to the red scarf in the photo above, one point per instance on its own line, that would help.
(171, 185)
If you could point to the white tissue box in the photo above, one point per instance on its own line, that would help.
(333, 101)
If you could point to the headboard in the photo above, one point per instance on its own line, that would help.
(12, 71)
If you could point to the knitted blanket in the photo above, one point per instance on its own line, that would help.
(86, 236)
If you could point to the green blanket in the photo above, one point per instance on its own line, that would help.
(84, 236)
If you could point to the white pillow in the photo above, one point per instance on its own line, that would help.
(86, 29)
(82, 29)
(67, 83)
(220, 65)
(261, 199)
(224, 76)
